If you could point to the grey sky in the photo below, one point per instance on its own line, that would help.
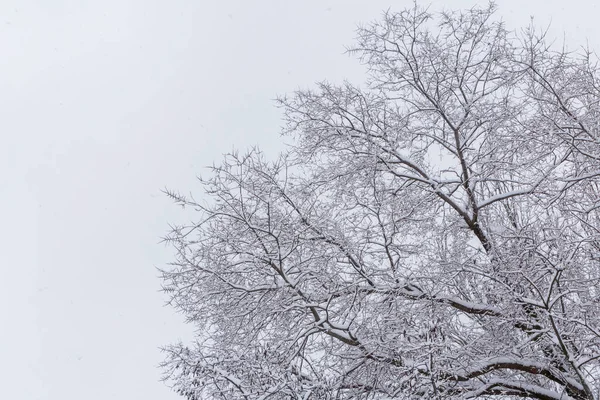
(104, 103)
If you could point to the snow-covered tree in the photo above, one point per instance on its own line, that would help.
(431, 234)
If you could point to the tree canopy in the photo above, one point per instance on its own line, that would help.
(433, 233)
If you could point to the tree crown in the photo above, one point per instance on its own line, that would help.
(432, 234)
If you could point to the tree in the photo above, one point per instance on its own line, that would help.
(432, 234)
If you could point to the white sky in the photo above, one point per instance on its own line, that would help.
(104, 103)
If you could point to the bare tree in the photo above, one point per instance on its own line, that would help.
(432, 234)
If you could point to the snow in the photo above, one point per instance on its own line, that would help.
(504, 196)
(533, 389)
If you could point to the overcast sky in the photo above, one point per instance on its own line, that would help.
(102, 104)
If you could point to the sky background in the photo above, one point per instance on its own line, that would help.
(103, 104)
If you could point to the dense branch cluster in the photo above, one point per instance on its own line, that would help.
(432, 234)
